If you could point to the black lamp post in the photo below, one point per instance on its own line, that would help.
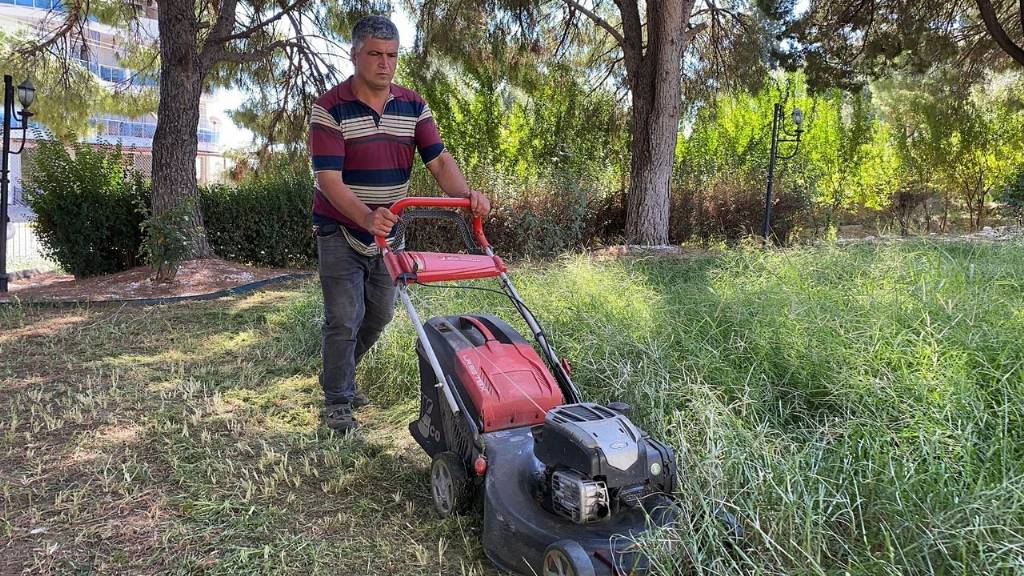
(778, 124)
(26, 94)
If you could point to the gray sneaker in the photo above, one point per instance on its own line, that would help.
(338, 417)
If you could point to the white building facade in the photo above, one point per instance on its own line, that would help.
(101, 54)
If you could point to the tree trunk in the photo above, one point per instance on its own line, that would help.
(175, 143)
(654, 141)
(655, 86)
(927, 216)
(981, 210)
(945, 212)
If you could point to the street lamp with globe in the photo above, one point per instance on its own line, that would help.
(778, 125)
(26, 95)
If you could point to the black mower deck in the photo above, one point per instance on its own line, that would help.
(517, 530)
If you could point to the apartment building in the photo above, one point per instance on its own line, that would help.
(101, 54)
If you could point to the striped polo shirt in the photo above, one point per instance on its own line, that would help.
(374, 153)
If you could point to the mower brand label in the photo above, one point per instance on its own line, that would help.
(425, 425)
(475, 374)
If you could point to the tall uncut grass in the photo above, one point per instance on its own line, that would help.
(858, 409)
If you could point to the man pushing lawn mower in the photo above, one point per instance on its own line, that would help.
(565, 486)
(363, 137)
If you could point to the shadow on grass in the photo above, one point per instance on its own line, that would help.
(186, 439)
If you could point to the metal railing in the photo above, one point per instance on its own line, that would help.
(116, 126)
(117, 74)
(16, 196)
(24, 251)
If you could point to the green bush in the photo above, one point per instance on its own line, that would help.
(166, 243)
(85, 200)
(1012, 198)
(266, 220)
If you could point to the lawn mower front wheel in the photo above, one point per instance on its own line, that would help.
(449, 484)
(567, 558)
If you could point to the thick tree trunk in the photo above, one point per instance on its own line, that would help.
(655, 85)
(653, 146)
(175, 144)
(927, 217)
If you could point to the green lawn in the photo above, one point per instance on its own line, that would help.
(861, 409)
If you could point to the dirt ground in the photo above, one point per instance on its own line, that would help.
(195, 277)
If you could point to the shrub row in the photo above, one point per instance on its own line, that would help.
(89, 208)
(543, 217)
(265, 221)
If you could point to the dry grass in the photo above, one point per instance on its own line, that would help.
(178, 439)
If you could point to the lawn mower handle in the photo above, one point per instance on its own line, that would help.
(436, 202)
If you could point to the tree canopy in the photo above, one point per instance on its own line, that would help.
(840, 43)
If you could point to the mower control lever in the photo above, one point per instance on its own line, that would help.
(436, 202)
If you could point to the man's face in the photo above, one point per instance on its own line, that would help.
(376, 61)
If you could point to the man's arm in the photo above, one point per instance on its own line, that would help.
(377, 222)
(453, 183)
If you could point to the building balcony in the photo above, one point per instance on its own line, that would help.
(137, 132)
(118, 75)
(54, 5)
(146, 11)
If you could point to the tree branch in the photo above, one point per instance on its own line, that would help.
(988, 15)
(267, 51)
(692, 32)
(260, 26)
(633, 38)
(76, 13)
(225, 21)
(213, 49)
(597, 20)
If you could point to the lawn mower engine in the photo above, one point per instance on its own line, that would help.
(597, 462)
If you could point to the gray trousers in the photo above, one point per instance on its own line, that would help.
(359, 301)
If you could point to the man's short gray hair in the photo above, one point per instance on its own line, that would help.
(368, 27)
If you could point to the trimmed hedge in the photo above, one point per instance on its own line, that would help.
(265, 221)
(87, 204)
(92, 224)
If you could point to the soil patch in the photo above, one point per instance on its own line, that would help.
(194, 278)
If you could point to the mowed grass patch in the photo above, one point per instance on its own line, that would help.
(859, 409)
(185, 439)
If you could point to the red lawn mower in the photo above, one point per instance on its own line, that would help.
(565, 485)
